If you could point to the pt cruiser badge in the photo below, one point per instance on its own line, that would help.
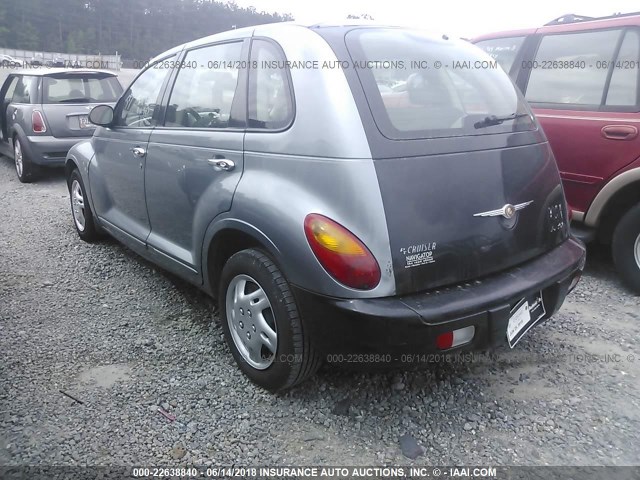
(508, 211)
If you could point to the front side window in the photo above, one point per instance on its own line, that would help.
(73, 88)
(138, 105)
(421, 86)
(572, 68)
(25, 90)
(205, 87)
(270, 99)
(504, 50)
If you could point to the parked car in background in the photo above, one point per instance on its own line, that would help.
(329, 215)
(9, 61)
(37, 60)
(57, 62)
(45, 112)
(581, 76)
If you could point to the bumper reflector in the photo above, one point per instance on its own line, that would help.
(455, 338)
(574, 282)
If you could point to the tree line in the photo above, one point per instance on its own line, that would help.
(136, 29)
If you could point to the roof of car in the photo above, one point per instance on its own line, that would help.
(43, 72)
(569, 26)
(249, 31)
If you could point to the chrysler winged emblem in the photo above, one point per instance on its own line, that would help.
(508, 211)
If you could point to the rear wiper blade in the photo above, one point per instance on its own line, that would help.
(75, 100)
(492, 120)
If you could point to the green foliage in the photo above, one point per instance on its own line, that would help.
(137, 29)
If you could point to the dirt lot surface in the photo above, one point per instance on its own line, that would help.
(120, 336)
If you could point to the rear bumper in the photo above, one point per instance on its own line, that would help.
(411, 323)
(50, 151)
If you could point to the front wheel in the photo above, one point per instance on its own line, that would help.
(261, 323)
(626, 248)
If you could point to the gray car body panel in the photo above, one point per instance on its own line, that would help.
(327, 169)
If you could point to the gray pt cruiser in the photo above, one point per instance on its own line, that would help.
(346, 192)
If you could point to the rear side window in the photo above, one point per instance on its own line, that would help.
(572, 68)
(80, 89)
(623, 88)
(504, 50)
(25, 91)
(204, 90)
(270, 98)
(421, 86)
(8, 96)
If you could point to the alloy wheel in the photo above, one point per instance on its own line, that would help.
(77, 204)
(251, 322)
(17, 155)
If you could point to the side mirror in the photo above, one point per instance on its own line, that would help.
(101, 115)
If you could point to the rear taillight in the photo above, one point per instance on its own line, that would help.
(341, 253)
(37, 122)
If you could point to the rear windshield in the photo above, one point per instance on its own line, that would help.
(421, 86)
(81, 89)
(504, 50)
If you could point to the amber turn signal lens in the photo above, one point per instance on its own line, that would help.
(341, 253)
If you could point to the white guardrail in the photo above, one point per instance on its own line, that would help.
(28, 57)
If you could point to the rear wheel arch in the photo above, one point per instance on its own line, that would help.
(595, 213)
(226, 242)
(69, 166)
(615, 208)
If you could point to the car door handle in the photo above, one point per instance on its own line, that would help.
(221, 163)
(139, 151)
(619, 132)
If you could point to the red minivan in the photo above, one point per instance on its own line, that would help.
(581, 75)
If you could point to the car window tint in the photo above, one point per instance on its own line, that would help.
(504, 50)
(623, 89)
(412, 98)
(270, 102)
(80, 89)
(572, 68)
(25, 89)
(205, 87)
(138, 104)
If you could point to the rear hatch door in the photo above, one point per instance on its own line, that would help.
(468, 182)
(68, 97)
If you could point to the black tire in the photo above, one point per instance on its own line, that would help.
(626, 248)
(25, 169)
(87, 230)
(294, 359)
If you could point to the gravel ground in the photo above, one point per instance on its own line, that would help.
(124, 338)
